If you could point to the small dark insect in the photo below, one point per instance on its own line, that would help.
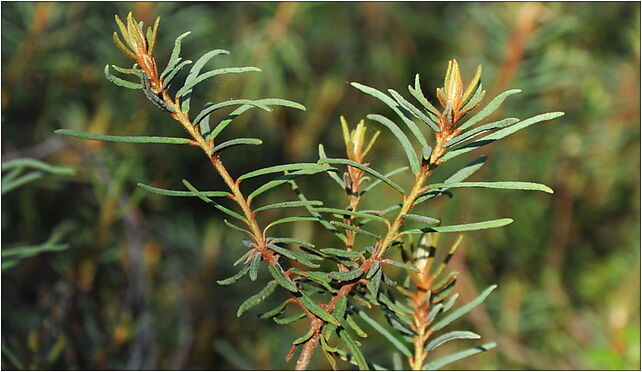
(156, 100)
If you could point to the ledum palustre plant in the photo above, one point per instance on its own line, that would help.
(344, 291)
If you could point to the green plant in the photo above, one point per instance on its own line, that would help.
(350, 281)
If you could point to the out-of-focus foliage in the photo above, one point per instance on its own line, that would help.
(136, 287)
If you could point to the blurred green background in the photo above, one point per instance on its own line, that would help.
(136, 288)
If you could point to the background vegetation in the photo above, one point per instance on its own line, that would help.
(136, 287)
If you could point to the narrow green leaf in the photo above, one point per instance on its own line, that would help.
(394, 106)
(354, 350)
(373, 270)
(289, 204)
(454, 335)
(289, 319)
(278, 275)
(174, 58)
(470, 134)
(344, 213)
(385, 333)
(364, 168)
(211, 107)
(475, 99)
(254, 266)
(355, 229)
(419, 95)
(121, 82)
(285, 167)
(235, 277)
(407, 147)
(236, 227)
(378, 181)
(12, 185)
(281, 180)
(346, 276)
(451, 301)
(500, 134)
(296, 256)
(221, 208)
(236, 142)
(126, 139)
(332, 175)
(267, 101)
(277, 310)
(434, 365)
(165, 192)
(341, 253)
(318, 310)
(510, 185)
(229, 70)
(244, 257)
(257, 298)
(489, 109)
(170, 77)
(490, 224)
(290, 219)
(195, 70)
(304, 338)
(456, 314)
(413, 110)
(401, 265)
(292, 241)
(355, 327)
(425, 220)
(36, 164)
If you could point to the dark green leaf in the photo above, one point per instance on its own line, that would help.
(296, 256)
(384, 332)
(401, 265)
(318, 310)
(413, 110)
(278, 275)
(304, 338)
(286, 167)
(290, 219)
(165, 192)
(394, 106)
(500, 134)
(355, 229)
(174, 58)
(277, 310)
(346, 276)
(354, 349)
(229, 70)
(425, 220)
(468, 135)
(510, 185)
(221, 208)
(407, 147)
(211, 107)
(456, 314)
(341, 253)
(289, 204)
(236, 142)
(267, 101)
(170, 77)
(235, 277)
(464, 227)
(289, 319)
(454, 335)
(378, 181)
(195, 70)
(489, 109)
(364, 168)
(121, 82)
(254, 266)
(434, 365)
(257, 298)
(344, 213)
(126, 139)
